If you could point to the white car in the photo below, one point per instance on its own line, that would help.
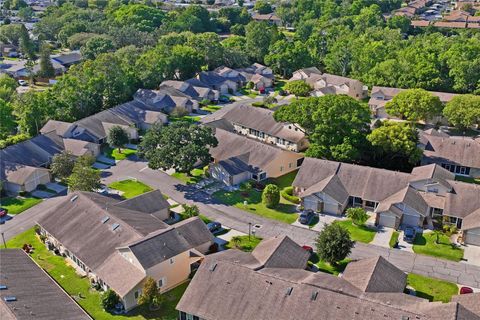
(23, 83)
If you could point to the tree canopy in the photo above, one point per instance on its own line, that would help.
(334, 243)
(298, 88)
(463, 111)
(117, 137)
(415, 105)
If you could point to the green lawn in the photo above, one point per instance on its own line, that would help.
(78, 286)
(357, 233)
(467, 179)
(113, 153)
(335, 270)
(191, 119)
(394, 238)
(432, 289)
(18, 204)
(284, 212)
(211, 108)
(284, 181)
(247, 92)
(425, 244)
(243, 243)
(195, 176)
(131, 188)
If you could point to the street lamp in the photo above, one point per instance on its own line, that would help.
(253, 233)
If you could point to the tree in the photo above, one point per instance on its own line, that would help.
(336, 125)
(7, 87)
(177, 146)
(299, 88)
(263, 7)
(334, 243)
(358, 215)
(62, 165)
(395, 143)
(96, 45)
(399, 22)
(110, 299)
(259, 36)
(7, 119)
(285, 57)
(271, 196)
(463, 111)
(414, 105)
(150, 294)
(140, 16)
(83, 177)
(117, 137)
(46, 66)
(25, 14)
(190, 211)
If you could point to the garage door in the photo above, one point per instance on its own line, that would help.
(331, 208)
(473, 238)
(387, 220)
(409, 220)
(311, 204)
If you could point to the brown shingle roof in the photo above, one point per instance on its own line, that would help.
(331, 186)
(281, 252)
(463, 201)
(375, 275)
(455, 150)
(408, 196)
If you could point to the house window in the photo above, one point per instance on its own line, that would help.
(137, 294)
(172, 261)
(263, 176)
(434, 190)
(161, 282)
(281, 168)
(290, 165)
(370, 204)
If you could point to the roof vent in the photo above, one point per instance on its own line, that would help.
(74, 198)
(2, 287)
(289, 291)
(314, 295)
(115, 226)
(213, 267)
(10, 298)
(105, 219)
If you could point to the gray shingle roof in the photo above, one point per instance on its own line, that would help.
(149, 202)
(332, 186)
(281, 252)
(195, 231)
(463, 201)
(38, 296)
(462, 151)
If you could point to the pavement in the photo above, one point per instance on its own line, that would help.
(461, 273)
(382, 237)
(471, 254)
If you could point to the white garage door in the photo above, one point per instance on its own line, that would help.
(387, 220)
(473, 237)
(409, 220)
(310, 204)
(331, 208)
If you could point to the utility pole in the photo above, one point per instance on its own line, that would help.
(4, 243)
(249, 230)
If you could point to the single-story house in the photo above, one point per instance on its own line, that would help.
(28, 292)
(118, 244)
(325, 83)
(18, 177)
(271, 18)
(165, 99)
(218, 82)
(68, 59)
(471, 228)
(196, 92)
(305, 73)
(238, 158)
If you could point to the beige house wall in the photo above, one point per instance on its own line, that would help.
(283, 164)
(270, 139)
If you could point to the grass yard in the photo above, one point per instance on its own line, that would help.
(131, 188)
(195, 176)
(243, 243)
(247, 92)
(113, 153)
(432, 289)
(425, 244)
(335, 270)
(357, 233)
(18, 204)
(394, 238)
(284, 212)
(190, 119)
(467, 179)
(211, 108)
(79, 287)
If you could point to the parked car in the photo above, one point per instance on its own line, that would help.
(23, 83)
(3, 212)
(409, 234)
(102, 190)
(308, 248)
(306, 216)
(466, 290)
(214, 226)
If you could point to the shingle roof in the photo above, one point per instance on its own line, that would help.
(149, 202)
(60, 127)
(455, 150)
(463, 201)
(195, 231)
(281, 252)
(18, 173)
(389, 93)
(38, 296)
(331, 186)
(375, 275)
(237, 165)
(255, 118)
(408, 196)
(469, 301)
(68, 58)
(432, 171)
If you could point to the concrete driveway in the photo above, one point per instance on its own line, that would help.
(382, 237)
(471, 254)
(403, 245)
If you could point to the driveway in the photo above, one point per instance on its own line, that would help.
(404, 245)
(382, 237)
(471, 254)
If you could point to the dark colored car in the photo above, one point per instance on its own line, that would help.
(466, 290)
(214, 226)
(306, 216)
(3, 212)
(409, 234)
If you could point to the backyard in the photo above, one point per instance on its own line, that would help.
(16, 205)
(425, 244)
(130, 188)
(113, 153)
(190, 119)
(467, 179)
(432, 289)
(196, 175)
(327, 267)
(80, 289)
(244, 243)
(211, 108)
(357, 233)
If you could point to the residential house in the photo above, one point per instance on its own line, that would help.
(259, 124)
(396, 198)
(370, 289)
(17, 177)
(270, 18)
(333, 84)
(68, 59)
(19, 69)
(228, 82)
(305, 73)
(165, 99)
(118, 244)
(28, 292)
(380, 96)
(459, 155)
(413, 8)
(196, 92)
(238, 158)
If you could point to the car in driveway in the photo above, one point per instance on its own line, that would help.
(306, 216)
(23, 83)
(466, 290)
(409, 234)
(214, 226)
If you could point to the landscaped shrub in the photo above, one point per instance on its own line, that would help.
(250, 85)
(258, 104)
(334, 243)
(179, 112)
(449, 229)
(271, 196)
(205, 102)
(287, 194)
(110, 299)
(358, 215)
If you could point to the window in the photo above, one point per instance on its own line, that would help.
(434, 190)
(290, 165)
(172, 261)
(137, 294)
(162, 282)
(281, 168)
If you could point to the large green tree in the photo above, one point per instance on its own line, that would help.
(46, 65)
(285, 57)
(140, 16)
(84, 177)
(7, 119)
(463, 111)
(62, 165)
(177, 146)
(336, 125)
(96, 45)
(334, 243)
(298, 88)
(117, 137)
(414, 105)
(259, 35)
